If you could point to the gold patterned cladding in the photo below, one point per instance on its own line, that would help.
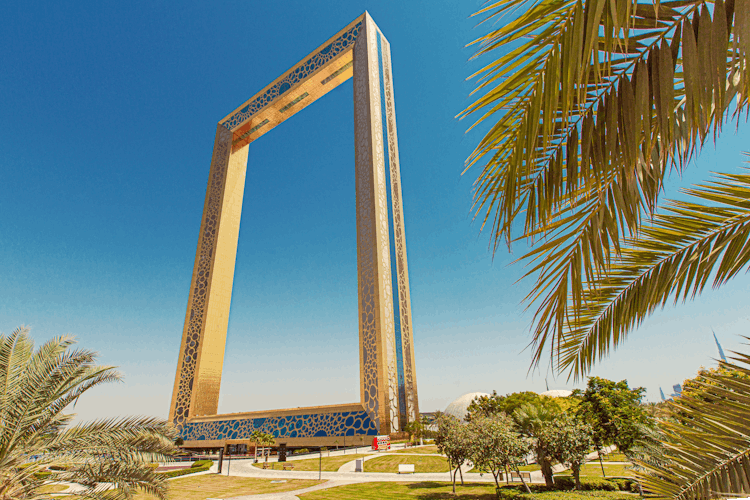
(407, 342)
(370, 372)
(316, 75)
(198, 377)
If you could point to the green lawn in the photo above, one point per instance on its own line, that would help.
(615, 457)
(529, 468)
(420, 450)
(390, 463)
(216, 486)
(439, 491)
(330, 464)
(593, 469)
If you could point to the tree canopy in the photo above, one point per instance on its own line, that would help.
(613, 410)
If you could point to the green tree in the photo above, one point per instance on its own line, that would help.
(570, 441)
(495, 404)
(532, 420)
(37, 438)
(496, 446)
(590, 104)
(454, 441)
(706, 376)
(415, 429)
(700, 450)
(614, 412)
(262, 440)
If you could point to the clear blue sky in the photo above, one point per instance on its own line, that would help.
(106, 128)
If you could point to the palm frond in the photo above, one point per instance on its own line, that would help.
(705, 239)
(705, 441)
(593, 103)
(36, 387)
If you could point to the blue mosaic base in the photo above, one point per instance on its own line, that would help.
(349, 423)
(319, 59)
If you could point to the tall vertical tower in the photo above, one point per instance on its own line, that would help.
(388, 388)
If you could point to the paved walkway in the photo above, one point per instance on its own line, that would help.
(345, 475)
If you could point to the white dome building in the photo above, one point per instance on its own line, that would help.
(458, 407)
(557, 393)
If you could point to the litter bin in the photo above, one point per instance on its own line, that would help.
(358, 465)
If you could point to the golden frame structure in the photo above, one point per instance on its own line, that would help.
(388, 386)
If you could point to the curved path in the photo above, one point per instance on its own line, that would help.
(344, 476)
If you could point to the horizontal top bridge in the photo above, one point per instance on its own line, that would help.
(324, 69)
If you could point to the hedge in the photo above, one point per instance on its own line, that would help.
(205, 465)
(563, 489)
(596, 484)
(202, 463)
(515, 494)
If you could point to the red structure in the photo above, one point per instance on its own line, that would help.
(381, 442)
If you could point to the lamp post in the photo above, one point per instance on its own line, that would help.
(362, 438)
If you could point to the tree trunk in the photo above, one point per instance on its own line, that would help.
(454, 481)
(462, 475)
(577, 475)
(599, 453)
(524, 482)
(546, 467)
(495, 474)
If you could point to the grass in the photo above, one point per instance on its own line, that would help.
(423, 450)
(593, 469)
(615, 457)
(329, 464)
(215, 486)
(529, 468)
(440, 491)
(390, 463)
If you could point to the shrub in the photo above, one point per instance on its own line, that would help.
(301, 451)
(202, 463)
(188, 470)
(567, 483)
(540, 493)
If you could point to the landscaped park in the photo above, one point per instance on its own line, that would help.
(589, 112)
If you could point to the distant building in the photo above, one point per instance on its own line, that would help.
(557, 393)
(458, 407)
(721, 351)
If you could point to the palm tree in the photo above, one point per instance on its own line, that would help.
(262, 439)
(38, 444)
(590, 106)
(706, 434)
(532, 420)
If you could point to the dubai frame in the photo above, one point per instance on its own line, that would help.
(388, 387)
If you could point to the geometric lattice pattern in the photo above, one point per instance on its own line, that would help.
(388, 390)
(308, 67)
(292, 426)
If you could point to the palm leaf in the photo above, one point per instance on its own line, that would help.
(36, 387)
(592, 104)
(705, 439)
(705, 239)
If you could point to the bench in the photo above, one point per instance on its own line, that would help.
(406, 468)
(288, 466)
(524, 475)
